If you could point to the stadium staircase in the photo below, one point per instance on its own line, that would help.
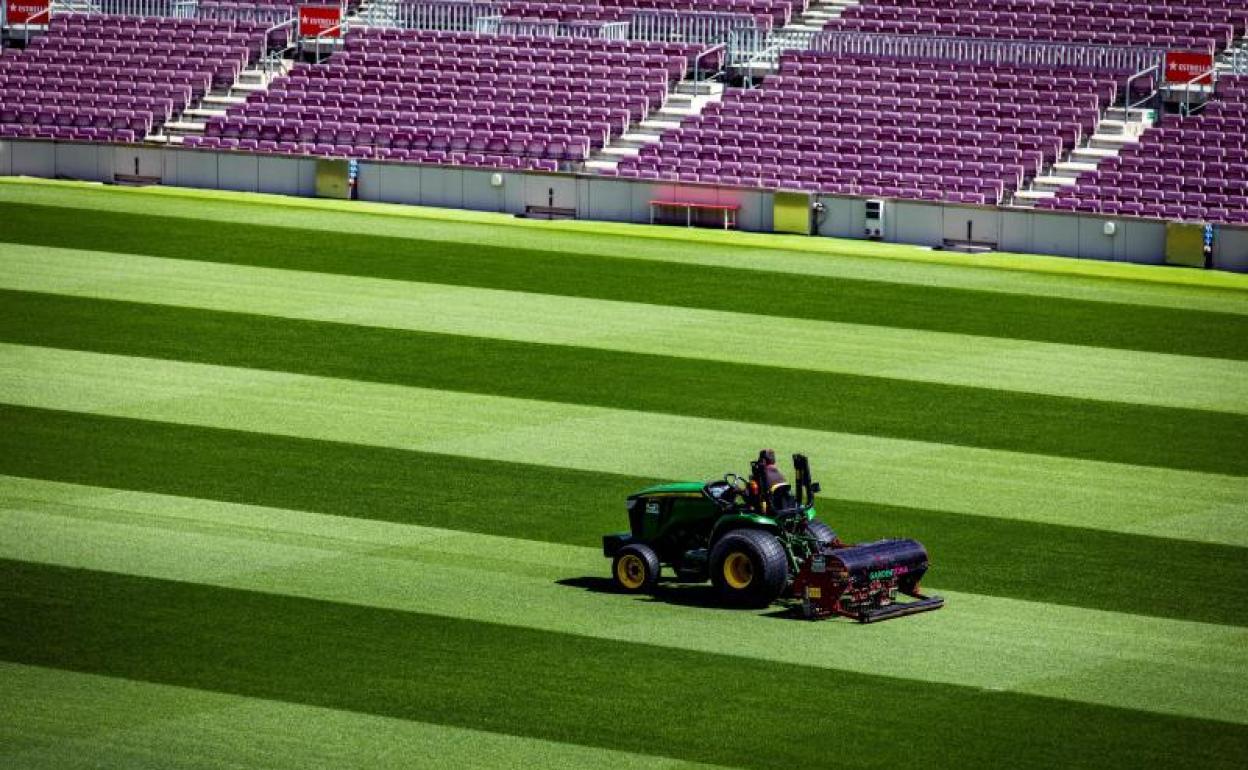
(687, 100)
(1118, 127)
(796, 34)
(193, 120)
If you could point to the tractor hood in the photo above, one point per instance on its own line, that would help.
(673, 489)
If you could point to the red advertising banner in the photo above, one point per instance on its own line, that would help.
(28, 11)
(1184, 66)
(315, 19)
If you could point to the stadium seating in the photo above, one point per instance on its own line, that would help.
(1198, 24)
(1193, 168)
(933, 131)
(448, 97)
(115, 78)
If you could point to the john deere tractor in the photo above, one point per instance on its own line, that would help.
(759, 541)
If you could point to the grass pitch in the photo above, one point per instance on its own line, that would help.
(306, 484)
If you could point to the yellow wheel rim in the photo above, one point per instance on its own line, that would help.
(631, 571)
(738, 570)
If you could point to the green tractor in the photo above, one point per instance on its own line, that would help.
(759, 541)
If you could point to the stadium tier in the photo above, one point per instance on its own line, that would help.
(117, 78)
(1201, 24)
(1193, 169)
(461, 98)
(930, 131)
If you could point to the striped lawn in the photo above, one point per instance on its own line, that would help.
(974, 554)
(926, 356)
(1051, 490)
(986, 417)
(1093, 280)
(268, 503)
(61, 720)
(1156, 665)
(510, 268)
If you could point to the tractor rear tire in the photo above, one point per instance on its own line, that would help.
(821, 532)
(635, 569)
(749, 567)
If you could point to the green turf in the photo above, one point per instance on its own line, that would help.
(995, 419)
(982, 482)
(1157, 665)
(1011, 273)
(62, 720)
(1043, 563)
(925, 356)
(577, 275)
(555, 686)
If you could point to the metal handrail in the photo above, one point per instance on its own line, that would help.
(341, 26)
(31, 20)
(1186, 108)
(1152, 95)
(697, 70)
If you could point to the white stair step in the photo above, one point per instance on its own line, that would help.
(248, 87)
(185, 125)
(204, 113)
(1033, 195)
(229, 101)
(1056, 181)
(621, 151)
(659, 125)
(640, 138)
(602, 165)
(1092, 154)
(1073, 167)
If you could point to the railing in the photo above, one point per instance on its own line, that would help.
(503, 25)
(447, 15)
(271, 63)
(689, 26)
(1185, 106)
(330, 35)
(1099, 57)
(1237, 62)
(697, 60)
(175, 8)
(33, 21)
(1154, 71)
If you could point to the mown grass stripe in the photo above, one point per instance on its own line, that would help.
(62, 720)
(1012, 316)
(1061, 370)
(559, 687)
(1093, 280)
(1039, 563)
(994, 419)
(1121, 498)
(1162, 666)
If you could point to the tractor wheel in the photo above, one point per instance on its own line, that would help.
(636, 568)
(749, 567)
(821, 532)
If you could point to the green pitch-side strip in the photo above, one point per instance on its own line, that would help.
(62, 720)
(1025, 273)
(1111, 659)
(1114, 497)
(562, 687)
(1171, 667)
(506, 267)
(872, 351)
(998, 557)
(994, 419)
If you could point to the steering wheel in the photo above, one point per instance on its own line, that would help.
(738, 483)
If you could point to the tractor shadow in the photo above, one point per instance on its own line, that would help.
(702, 595)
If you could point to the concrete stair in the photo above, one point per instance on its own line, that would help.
(193, 120)
(1117, 128)
(686, 101)
(796, 35)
